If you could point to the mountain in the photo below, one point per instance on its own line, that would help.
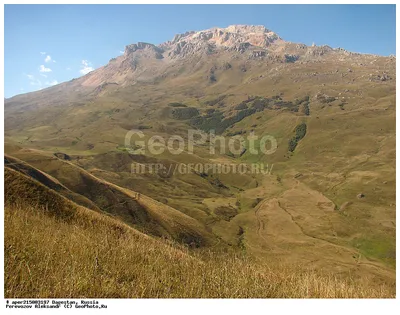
(328, 200)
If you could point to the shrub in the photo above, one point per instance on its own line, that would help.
(143, 127)
(235, 133)
(215, 101)
(175, 104)
(325, 99)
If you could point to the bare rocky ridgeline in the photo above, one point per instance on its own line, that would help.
(239, 38)
(208, 53)
(256, 41)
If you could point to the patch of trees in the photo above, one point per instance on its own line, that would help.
(300, 132)
(304, 104)
(287, 104)
(291, 58)
(212, 76)
(185, 113)
(217, 122)
(210, 112)
(241, 106)
(302, 100)
(260, 103)
(306, 109)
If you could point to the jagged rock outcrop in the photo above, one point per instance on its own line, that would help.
(141, 45)
(154, 50)
(237, 38)
(319, 50)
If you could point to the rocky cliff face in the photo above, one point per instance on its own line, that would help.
(235, 41)
(234, 38)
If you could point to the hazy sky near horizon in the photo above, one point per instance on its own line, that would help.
(48, 44)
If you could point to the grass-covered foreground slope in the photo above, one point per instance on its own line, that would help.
(83, 253)
(145, 214)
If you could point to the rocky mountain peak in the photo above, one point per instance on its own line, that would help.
(233, 37)
(141, 46)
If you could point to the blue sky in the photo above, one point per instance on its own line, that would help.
(49, 44)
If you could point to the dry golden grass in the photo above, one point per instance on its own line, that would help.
(56, 248)
(146, 214)
(90, 255)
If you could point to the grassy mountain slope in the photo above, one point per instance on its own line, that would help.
(82, 253)
(145, 214)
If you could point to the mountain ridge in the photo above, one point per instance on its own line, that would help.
(238, 41)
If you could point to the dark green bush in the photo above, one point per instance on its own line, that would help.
(175, 104)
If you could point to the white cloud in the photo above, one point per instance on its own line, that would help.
(86, 67)
(33, 80)
(44, 69)
(42, 52)
(43, 75)
(68, 69)
(49, 59)
(36, 83)
(121, 52)
(54, 82)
